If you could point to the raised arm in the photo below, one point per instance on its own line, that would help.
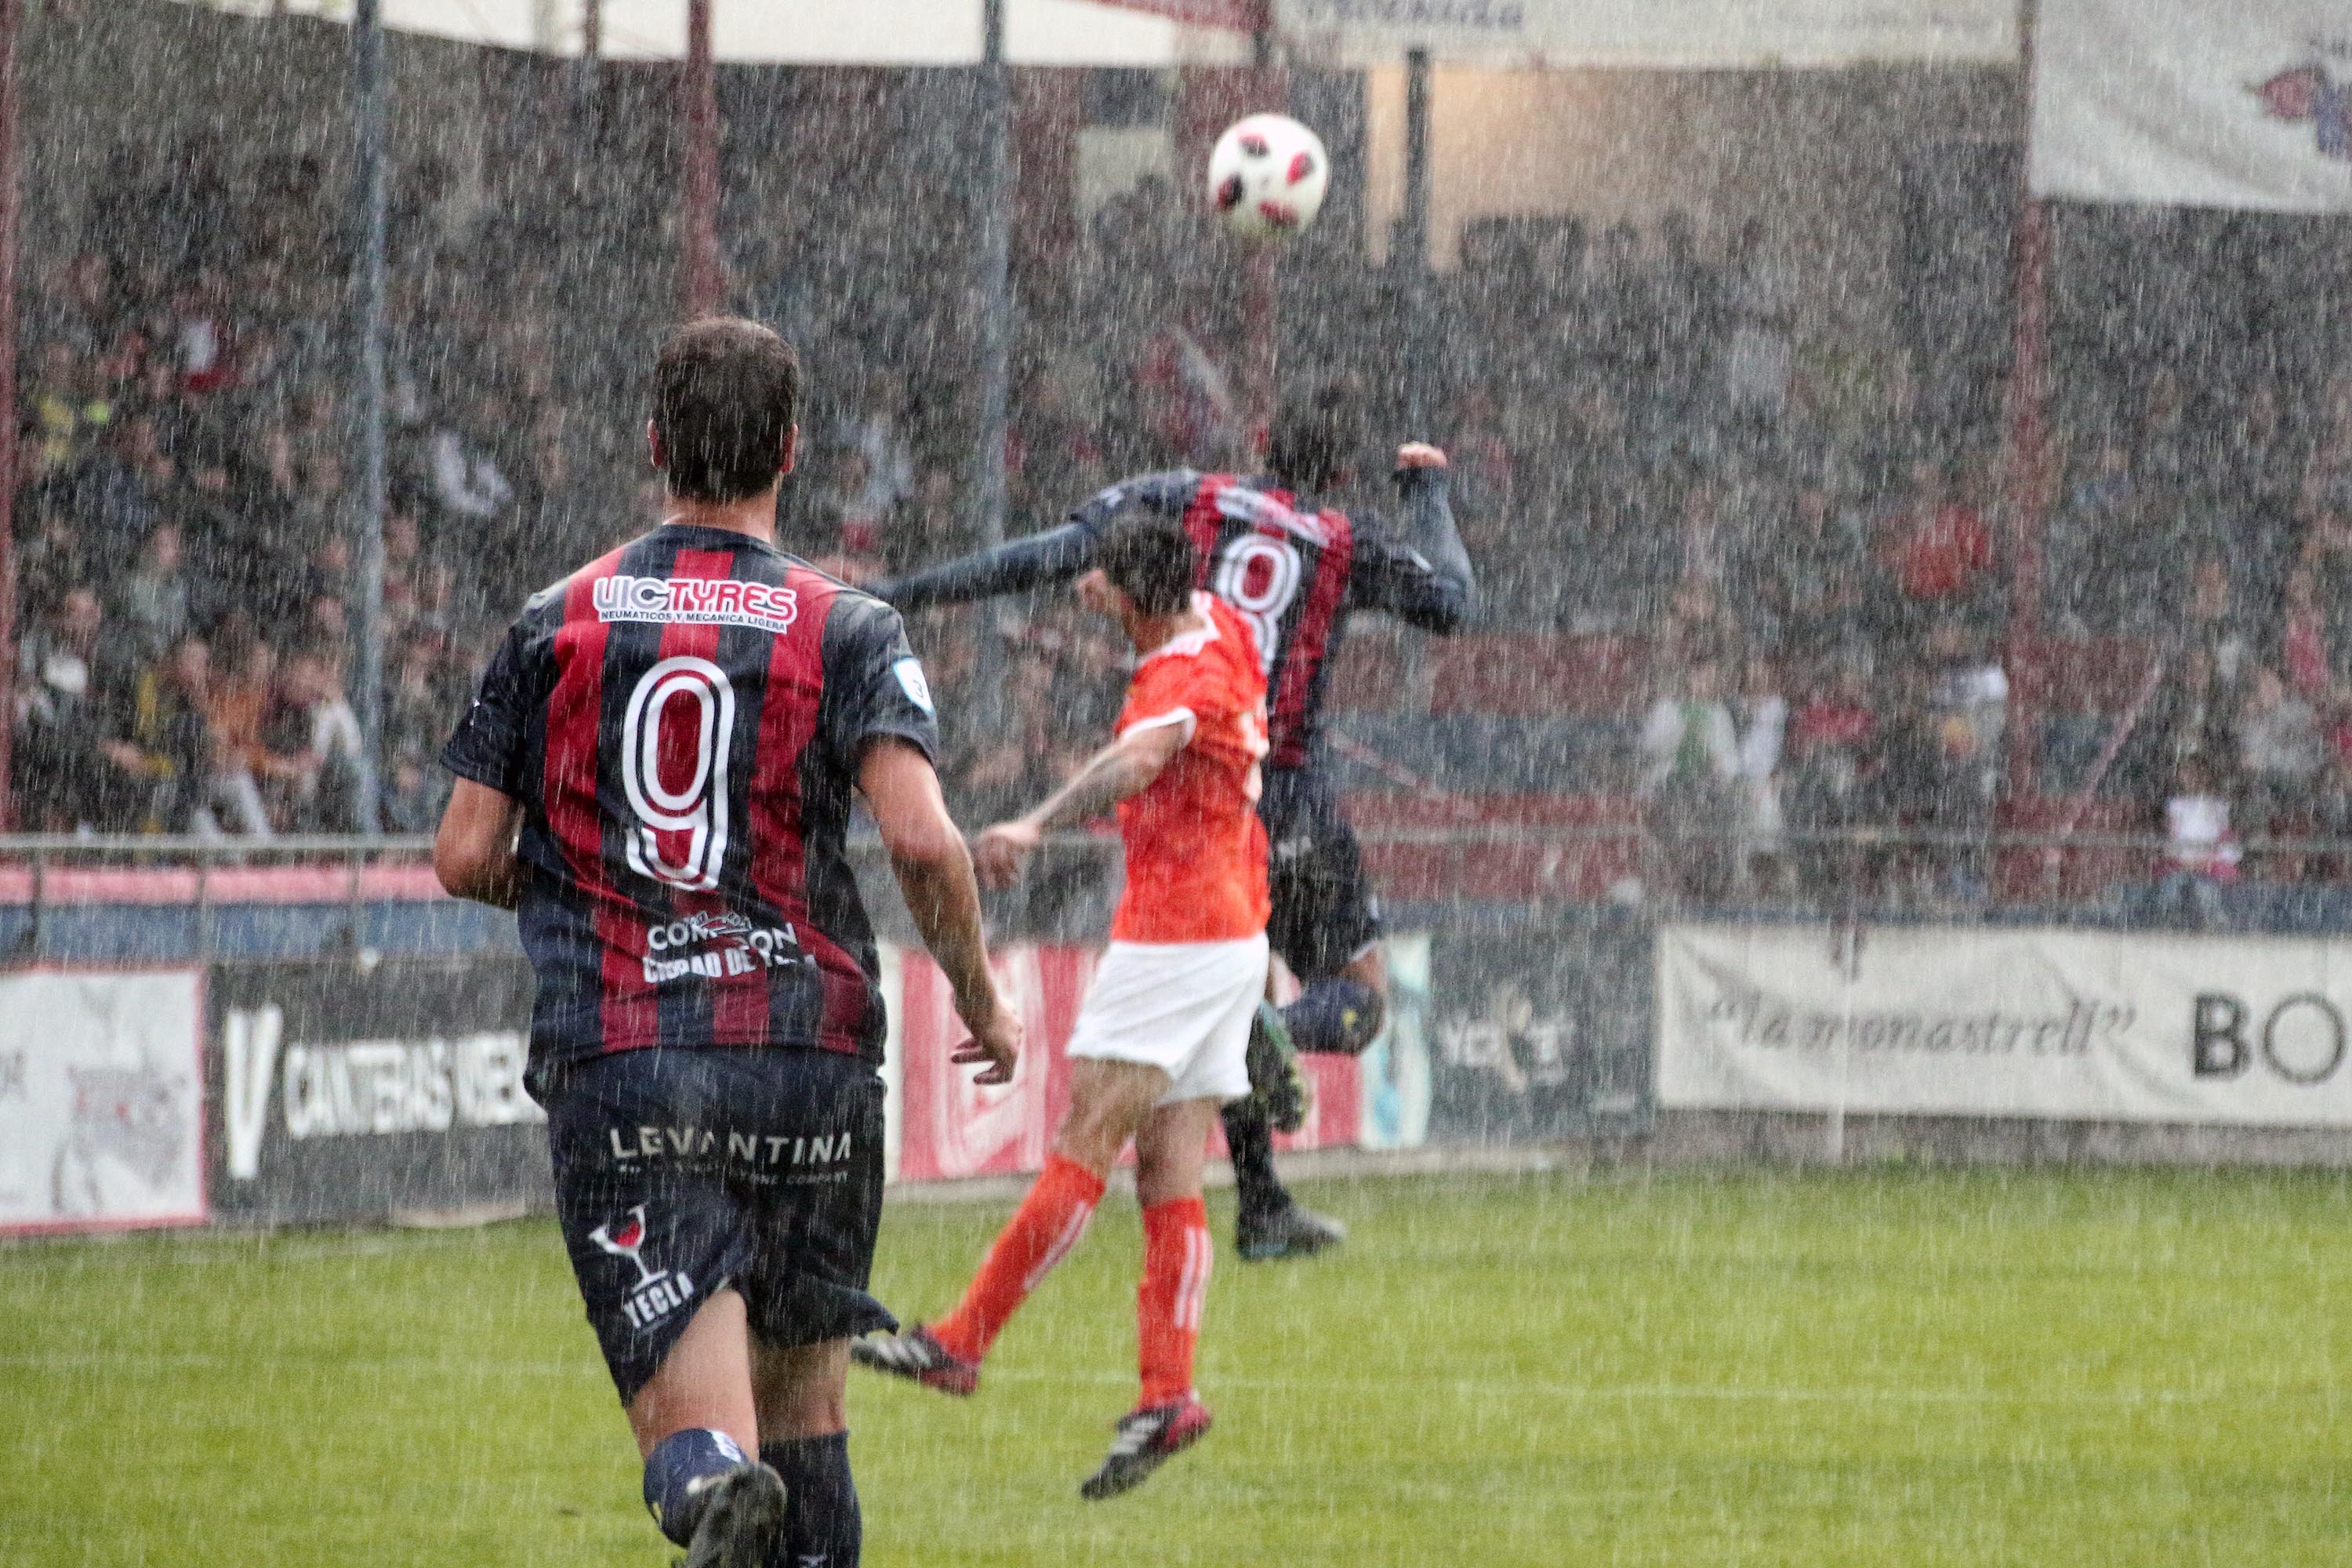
(1423, 576)
(1057, 556)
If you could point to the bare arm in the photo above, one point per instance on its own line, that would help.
(474, 854)
(1125, 767)
(934, 873)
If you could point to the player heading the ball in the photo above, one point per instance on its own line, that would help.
(1162, 1038)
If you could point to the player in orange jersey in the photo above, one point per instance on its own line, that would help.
(1162, 1039)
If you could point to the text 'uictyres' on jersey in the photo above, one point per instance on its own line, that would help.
(682, 721)
(1196, 853)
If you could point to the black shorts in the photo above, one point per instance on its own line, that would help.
(679, 1172)
(1324, 909)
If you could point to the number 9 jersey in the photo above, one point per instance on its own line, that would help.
(682, 722)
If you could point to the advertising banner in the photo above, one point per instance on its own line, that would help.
(944, 1126)
(1697, 34)
(2056, 1025)
(101, 1101)
(1536, 1033)
(2221, 103)
(347, 1090)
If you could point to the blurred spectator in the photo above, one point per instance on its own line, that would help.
(238, 709)
(52, 554)
(2200, 849)
(204, 334)
(1937, 548)
(468, 483)
(2279, 750)
(2304, 645)
(66, 411)
(932, 526)
(416, 723)
(1760, 360)
(153, 604)
(1185, 396)
(1054, 457)
(1761, 716)
(1813, 577)
(2193, 712)
(846, 523)
(59, 764)
(1690, 777)
(1832, 752)
(159, 745)
(1486, 479)
(2211, 619)
(80, 307)
(876, 429)
(117, 491)
(1968, 707)
(1708, 544)
(330, 761)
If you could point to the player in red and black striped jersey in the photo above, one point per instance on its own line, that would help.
(1295, 571)
(657, 775)
(682, 721)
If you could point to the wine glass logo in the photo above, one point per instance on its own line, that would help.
(626, 1238)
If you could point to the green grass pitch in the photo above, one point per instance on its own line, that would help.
(2044, 1368)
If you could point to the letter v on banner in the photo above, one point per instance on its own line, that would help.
(250, 1042)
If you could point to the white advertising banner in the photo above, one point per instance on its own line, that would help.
(101, 1101)
(2221, 103)
(1690, 34)
(868, 32)
(2059, 1024)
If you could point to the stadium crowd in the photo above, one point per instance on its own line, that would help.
(1653, 442)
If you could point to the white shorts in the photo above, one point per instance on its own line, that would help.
(1181, 1007)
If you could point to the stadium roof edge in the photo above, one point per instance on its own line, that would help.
(1130, 33)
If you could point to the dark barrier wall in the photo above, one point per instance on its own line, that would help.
(1539, 1030)
(348, 1089)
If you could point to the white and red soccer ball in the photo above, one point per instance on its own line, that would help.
(1267, 176)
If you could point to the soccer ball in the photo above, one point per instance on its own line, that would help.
(1266, 177)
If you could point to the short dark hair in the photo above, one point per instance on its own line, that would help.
(727, 391)
(1150, 559)
(1313, 441)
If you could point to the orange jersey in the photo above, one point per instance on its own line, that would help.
(1195, 850)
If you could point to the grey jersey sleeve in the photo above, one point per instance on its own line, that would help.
(1057, 556)
(873, 684)
(1419, 573)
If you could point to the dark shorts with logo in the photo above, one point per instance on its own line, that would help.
(1324, 911)
(679, 1172)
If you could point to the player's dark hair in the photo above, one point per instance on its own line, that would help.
(1314, 440)
(1149, 559)
(726, 391)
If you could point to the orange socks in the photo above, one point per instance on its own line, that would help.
(1176, 1259)
(1040, 1233)
(1047, 1225)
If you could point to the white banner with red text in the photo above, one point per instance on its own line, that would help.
(101, 1100)
(2055, 1025)
(2219, 103)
